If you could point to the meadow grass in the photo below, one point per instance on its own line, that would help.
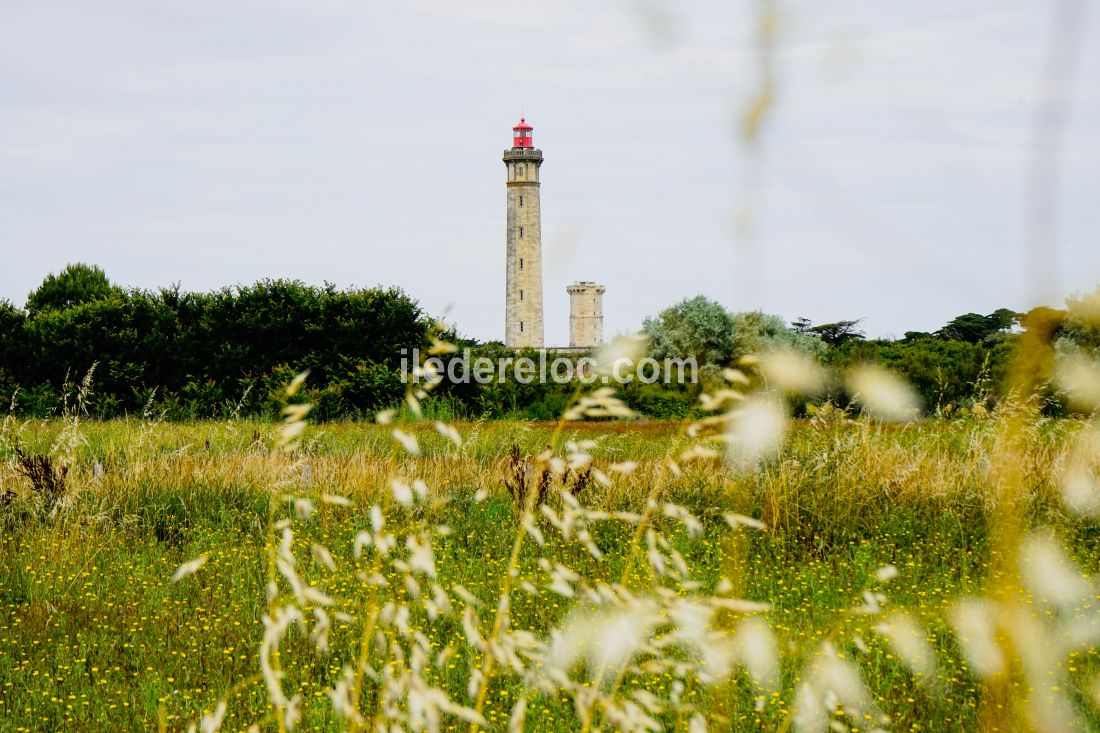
(95, 635)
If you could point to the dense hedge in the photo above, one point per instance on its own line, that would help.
(206, 354)
(943, 372)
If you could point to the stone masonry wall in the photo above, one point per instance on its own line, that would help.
(585, 314)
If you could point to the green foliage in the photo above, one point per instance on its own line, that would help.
(974, 328)
(836, 334)
(77, 284)
(230, 352)
(703, 329)
(943, 372)
(962, 364)
(1081, 327)
(661, 401)
(754, 332)
(696, 327)
(90, 613)
(189, 355)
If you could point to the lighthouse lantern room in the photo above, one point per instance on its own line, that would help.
(521, 135)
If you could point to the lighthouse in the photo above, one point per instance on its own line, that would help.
(523, 298)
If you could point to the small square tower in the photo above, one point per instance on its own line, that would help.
(585, 314)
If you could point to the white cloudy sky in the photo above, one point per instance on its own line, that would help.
(359, 142)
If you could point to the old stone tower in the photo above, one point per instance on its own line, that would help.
(523, 300)
(585, 314)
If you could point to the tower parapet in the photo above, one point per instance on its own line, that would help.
(585, 314)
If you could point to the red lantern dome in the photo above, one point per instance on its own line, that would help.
(521, 135)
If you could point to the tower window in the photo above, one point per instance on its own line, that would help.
(521, 295)
(521, 231)
(521, 263)
(521, 200)
(521, 326)
(519, 170)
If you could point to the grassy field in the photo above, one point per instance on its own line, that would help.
(697, 616)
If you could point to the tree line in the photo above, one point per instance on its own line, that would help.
(185, 355)
(190, 355)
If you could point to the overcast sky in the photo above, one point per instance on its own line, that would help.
(212, 144)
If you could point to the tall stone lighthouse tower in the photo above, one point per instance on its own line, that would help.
(523, 300)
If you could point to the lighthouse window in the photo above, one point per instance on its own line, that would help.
(519, 170)
(521, 263)
(521, 326)
(521, 231)
(521, 295)
(521, 201)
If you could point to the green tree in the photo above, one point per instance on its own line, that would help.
(755, 332)
(11, 328)
(1081, 327)
(974, 327)
(841, 332)
(703, 329)
(1004, 318)
(78, 283)
(801, 324)
(917, 335)
(695, 327)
